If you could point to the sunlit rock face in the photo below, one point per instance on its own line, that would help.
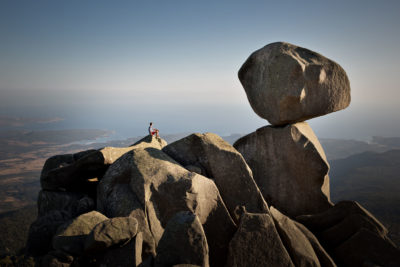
(285, 83)
(289, 167)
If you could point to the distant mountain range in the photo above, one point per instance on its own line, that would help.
(372, 179)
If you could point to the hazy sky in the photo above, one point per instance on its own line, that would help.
(119, 64)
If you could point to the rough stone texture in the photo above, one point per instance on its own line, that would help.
(150, 141)
(183, 241)
(71, 202)
(323, 257)
(366, 247)
(289, 166)
(128, 255)
(115, 231)
(71, 172)
(42, 230)
(285, 83)
(166, 188)
(225, 165)
(161, 187)
(300, 249)
(71, 236)
(115, 197)
(257, 243)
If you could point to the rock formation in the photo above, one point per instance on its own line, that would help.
(286, 83)
(202, 202)
(289, 166)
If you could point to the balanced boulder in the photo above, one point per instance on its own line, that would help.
(183, 241)
(225, 165)
(286, 83)
(289, 166)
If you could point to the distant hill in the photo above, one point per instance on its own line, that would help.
(373, 179)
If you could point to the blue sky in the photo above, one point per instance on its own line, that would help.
(119, 64)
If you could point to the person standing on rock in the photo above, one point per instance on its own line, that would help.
(153, 131)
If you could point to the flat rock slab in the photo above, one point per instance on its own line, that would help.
(225, 165)
(286, 83)
(289, 166)
(183, 241)
(108, 233)
(257, 243)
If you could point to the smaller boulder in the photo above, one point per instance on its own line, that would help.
(296, 243)
(108, 233)
(129, 254)
(323, 257)
(71, 236)
(183, 241)
(257, 243)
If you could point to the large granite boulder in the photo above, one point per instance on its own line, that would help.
(297, 244)
(183, 241)
(161, 187)
(72, 171)
(257, 243)
(289, 166)
(42, 230)
(225, 165)
(72, 202)
(71, 236)
(108, 233)
(285, 83)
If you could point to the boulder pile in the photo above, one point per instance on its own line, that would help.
(201, 202)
